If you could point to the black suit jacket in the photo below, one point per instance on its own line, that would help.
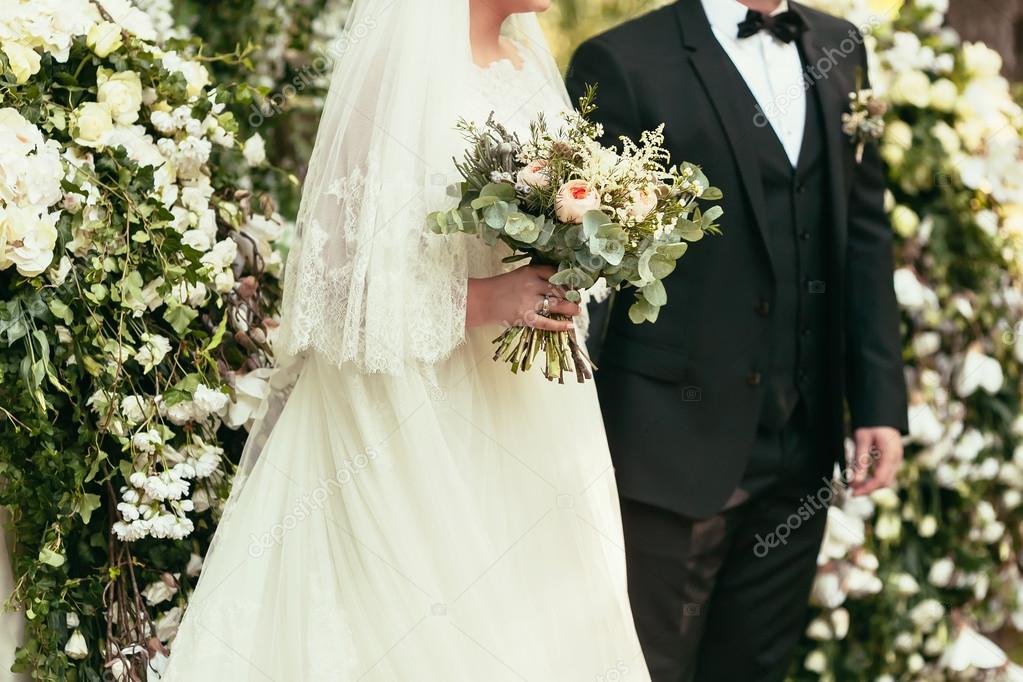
(682, 397)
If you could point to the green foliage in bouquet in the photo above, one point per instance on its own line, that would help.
(563, 199)
(137, 283)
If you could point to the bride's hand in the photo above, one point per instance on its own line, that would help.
(516, 298)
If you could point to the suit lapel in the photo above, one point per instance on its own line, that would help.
(723, 85)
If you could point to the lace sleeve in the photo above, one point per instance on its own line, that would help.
(366, 283)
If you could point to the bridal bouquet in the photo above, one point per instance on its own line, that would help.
(563, 199)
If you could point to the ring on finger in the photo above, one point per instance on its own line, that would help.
(546, 309)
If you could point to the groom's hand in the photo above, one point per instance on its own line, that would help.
(876, 460)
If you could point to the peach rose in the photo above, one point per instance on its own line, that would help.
(534, 174)
(575, 198)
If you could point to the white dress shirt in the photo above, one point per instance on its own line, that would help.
(772, 69)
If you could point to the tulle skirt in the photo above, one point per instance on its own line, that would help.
(452, 525)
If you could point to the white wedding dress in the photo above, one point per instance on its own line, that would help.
(449, 522)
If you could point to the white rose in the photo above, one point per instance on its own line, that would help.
(574, 200)
(888, 527)
(104, 38)
(944, 95)
(911, 87)
(76, 648)
(23, 60)
(27, 239)
(121, 93)
(196, 75)
(222, 254)
(533, 175)
(641, 203)
(93, 123)
(254, 150)
(980, 60)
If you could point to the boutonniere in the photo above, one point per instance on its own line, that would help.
(864, 122)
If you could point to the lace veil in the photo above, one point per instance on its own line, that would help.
(365, 283)
(366, 286)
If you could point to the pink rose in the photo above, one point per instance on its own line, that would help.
(534, 174)
(575, 198)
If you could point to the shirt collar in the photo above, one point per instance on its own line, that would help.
(725, 15)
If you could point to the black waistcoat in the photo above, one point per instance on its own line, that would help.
(797, 215)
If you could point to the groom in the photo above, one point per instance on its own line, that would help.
(727, 416)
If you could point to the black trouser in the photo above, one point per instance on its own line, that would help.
(724, 599)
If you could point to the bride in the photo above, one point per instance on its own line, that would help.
(408, 509)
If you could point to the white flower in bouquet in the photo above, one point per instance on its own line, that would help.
(840, 622)
(24, 62)
(254, 150)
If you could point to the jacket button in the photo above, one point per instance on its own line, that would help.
(753, 378)
(763, 307)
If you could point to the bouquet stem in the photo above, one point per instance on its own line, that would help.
(561, 351)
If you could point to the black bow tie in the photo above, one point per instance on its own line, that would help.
(786, 26)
